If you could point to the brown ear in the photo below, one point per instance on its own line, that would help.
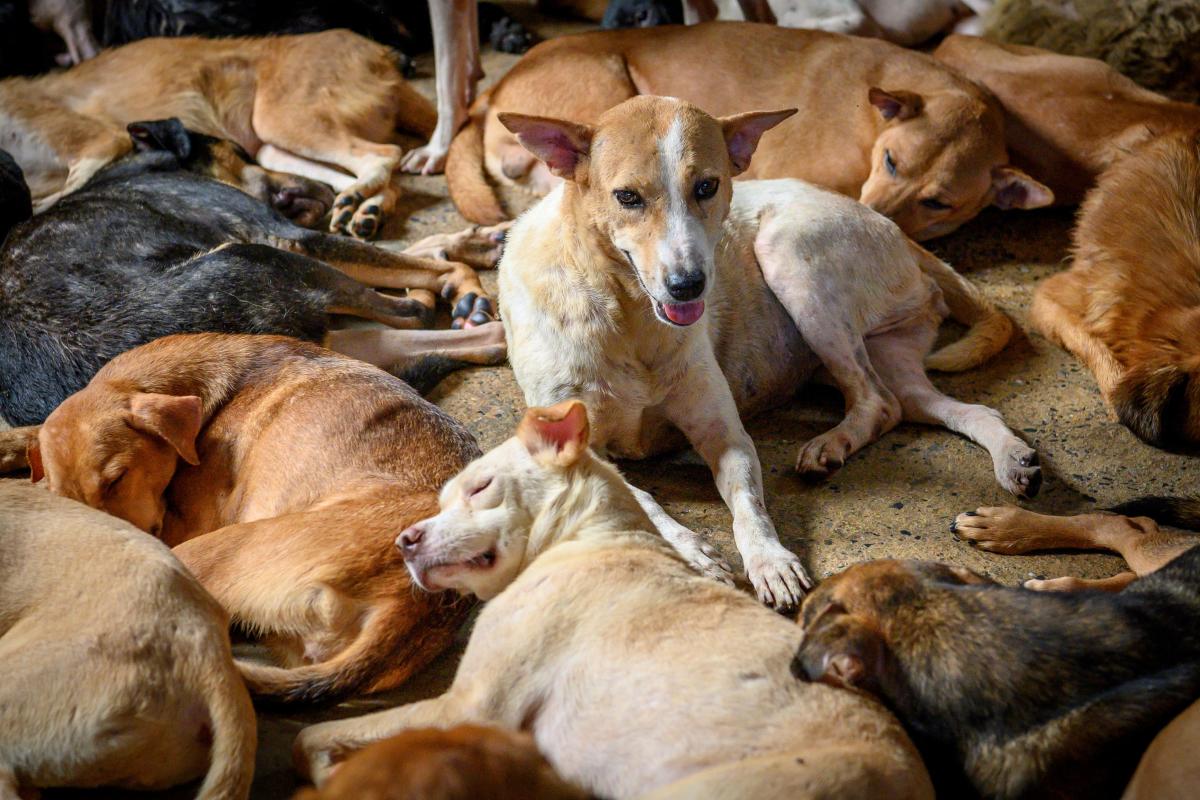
(33, 454)
(1012, 188)
(895, 105)
(559, 433)
(175, 420)
(564, 146)
(742, 132)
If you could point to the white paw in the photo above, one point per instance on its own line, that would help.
(706, 559)
(427, 160)
(778, 577)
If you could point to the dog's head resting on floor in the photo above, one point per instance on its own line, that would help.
(540, 487)
(653, 179)
(117, 451)
(302, 200)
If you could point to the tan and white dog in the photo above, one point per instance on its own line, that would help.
(634, 674)
(645, 286)
(115, 663)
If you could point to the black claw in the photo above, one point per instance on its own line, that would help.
(463, 307)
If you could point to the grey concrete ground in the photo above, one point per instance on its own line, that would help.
(893, 500)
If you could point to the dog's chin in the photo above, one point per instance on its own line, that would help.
(680, 315)
(448, 576)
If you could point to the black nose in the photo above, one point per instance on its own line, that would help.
(409, 539)
(685, 286)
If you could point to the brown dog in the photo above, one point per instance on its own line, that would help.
(1065, 118)
(891, 127)
(116, 663)
(1129, 306)
(281, 473)
(333, 97)
(467, 762)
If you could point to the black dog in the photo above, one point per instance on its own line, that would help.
(642, 13)
(16, 204)
(1011, 693)
(150, 247)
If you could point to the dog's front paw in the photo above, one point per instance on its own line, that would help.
(427, 160)
(778, 577)
(1018, 471)
(823, 455)
(705, 559)
(472, 310)
(311, 758)
(343, 211)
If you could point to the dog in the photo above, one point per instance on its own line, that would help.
(894, 128)
(161, 242)
(1167, 770)
(15, 203)
(1066, 118)
(467, 762)
(1128, 305)
(117, 665)
(64, 127)
(1010, 693)
(280, 474)
(635, 675)
(674, 304)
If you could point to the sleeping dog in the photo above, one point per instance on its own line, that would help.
(1011, 693)
(154, 246)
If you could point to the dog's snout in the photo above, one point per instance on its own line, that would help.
(410, 539)
(684, 286)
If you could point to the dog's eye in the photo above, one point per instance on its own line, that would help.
(933, 204)
(479, 488)
(628, 198)
(889, 162)
(706, 188)
(111, 486)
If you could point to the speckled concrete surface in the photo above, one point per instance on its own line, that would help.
(894, 499)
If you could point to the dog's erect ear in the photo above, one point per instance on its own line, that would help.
(742, 132)
(33, 454)
(563, 145)
(895, 105)
(1012, 188)
(161, 134)
(175, 420)
(559, 433)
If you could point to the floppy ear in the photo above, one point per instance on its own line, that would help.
(1012, 188)
(895, 105)
(161, 134)
(742, 132)
(33, 454)
(175, 420)
(559, 433)
(563, 145)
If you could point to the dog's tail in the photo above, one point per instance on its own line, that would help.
(470, 189)
(14, 447)
(1178, 512)
(394, 643)
(234, 737)
(1158, 399)
(990, 329)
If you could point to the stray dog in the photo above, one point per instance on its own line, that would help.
(1129, 306)
(905, 135)
(271, 96)
(1066, 118)
(467, 762)
(634, 674)
(1130, 530)
(1014, 693)
(116, 663)
(673, 304)
(153, 245)
(279, 473)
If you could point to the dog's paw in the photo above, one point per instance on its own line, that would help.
(999, 529)
(472, 310)
(705, 559)
(778, 577)
(343, 211)
(478, 246)
(1019, 472)
(823, 455)
(367, 219)
(427, 160)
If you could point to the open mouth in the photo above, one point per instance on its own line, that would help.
(681, 314)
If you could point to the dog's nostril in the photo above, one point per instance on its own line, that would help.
(685, 285)
(410, 538)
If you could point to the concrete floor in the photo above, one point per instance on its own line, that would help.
(893, 500)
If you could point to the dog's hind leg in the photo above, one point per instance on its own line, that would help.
(14, 447)
(421, 357)
(899, 354)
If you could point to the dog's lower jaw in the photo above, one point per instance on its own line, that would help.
(424, 576)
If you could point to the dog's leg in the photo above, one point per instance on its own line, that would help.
(703, 408)
(454, 40)
(898, 357)
(1053, 316)
(404, 351)
(14, 447)
(477, 246)
(704, 558)
(104, 146)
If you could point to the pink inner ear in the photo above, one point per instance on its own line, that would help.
(552, 145)
(560, 432)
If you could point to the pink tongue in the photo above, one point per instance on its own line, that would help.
(684, 313)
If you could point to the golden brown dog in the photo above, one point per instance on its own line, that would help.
(325, 98)
(1065, 118)
(281, 473)
(467, 762)
(116, 663)
(891, 127)
(1129, 306)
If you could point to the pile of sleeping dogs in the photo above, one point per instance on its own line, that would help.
(307, 495)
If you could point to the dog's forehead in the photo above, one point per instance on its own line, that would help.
(641, 132)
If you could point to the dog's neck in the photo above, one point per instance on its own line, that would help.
(593, 505)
